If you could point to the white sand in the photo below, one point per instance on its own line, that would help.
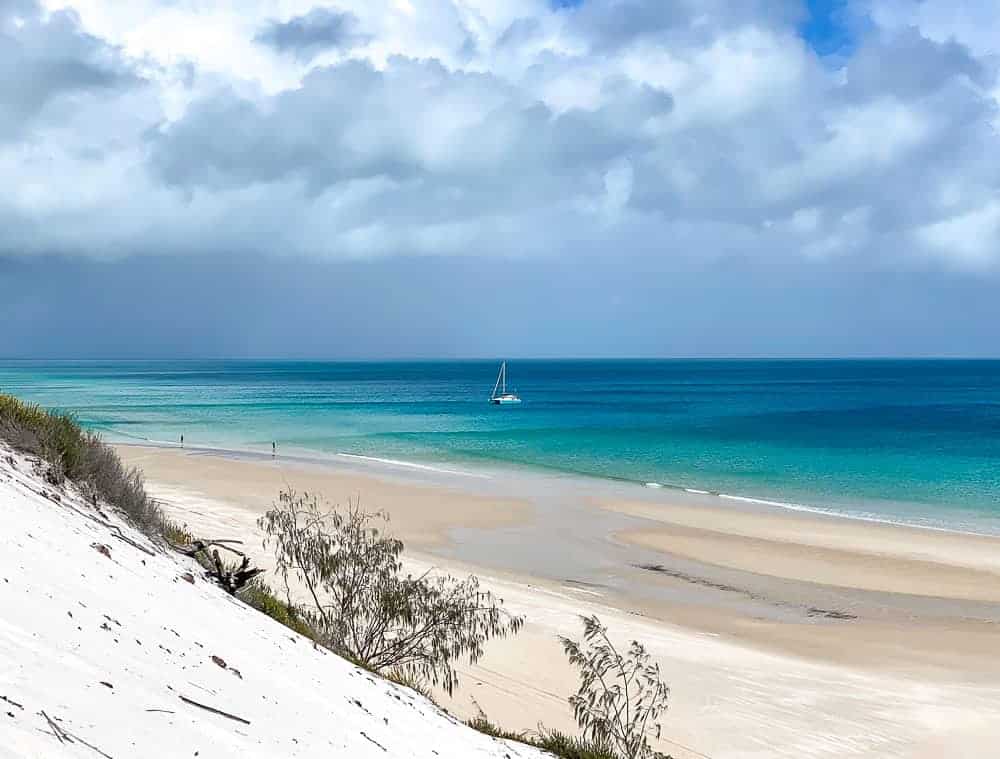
(106, 645)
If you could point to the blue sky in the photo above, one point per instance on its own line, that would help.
(827, 29)
(433, 177)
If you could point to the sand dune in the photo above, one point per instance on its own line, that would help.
(112, 652)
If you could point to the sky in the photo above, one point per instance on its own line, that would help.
(482, 178)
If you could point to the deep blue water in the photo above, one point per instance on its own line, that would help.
(917, 441)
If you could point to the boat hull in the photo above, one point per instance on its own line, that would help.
(505, 401)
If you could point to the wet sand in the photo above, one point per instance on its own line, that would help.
(781, 634)
(421, 513)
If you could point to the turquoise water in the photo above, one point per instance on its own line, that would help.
(913, 441)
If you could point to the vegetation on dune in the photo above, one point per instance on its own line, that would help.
(621, 695)
(364, 607)
(555, 742)
(411, 629)
(260, 596)
(70, 452)
(618, 704)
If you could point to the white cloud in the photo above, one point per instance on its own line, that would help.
(975, 23)
(856, 140)
(971, 238)
(726, 79)
(485, 127)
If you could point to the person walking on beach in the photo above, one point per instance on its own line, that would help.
(182, 441)
(274, 449)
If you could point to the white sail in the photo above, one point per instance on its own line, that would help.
(501, 377)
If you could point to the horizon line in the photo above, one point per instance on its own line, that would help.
(445, 359)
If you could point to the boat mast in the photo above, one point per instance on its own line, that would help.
(499, 376)
(503, 373)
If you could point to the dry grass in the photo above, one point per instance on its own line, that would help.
(71, 453)
(556, 743)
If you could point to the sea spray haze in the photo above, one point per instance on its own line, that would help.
(917, 441)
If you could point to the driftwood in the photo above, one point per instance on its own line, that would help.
(64, 736)
(197, 546)
(91, 746)
(56, 730)
(231, 578)
(212, 709)
(365, 735)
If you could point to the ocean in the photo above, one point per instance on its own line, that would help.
(912, 441)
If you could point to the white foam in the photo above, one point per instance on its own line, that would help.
(414, 465)
(860, 517)
(653, 485)
(584, 591)
(779, 504)
(696, 491)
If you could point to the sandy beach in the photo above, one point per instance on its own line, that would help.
(781, 633)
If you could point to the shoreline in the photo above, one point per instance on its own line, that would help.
(735, 562)
(501, 469)
(897, 673)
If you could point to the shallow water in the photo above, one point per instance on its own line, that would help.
(911, 441)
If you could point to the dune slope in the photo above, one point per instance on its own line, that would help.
(109, 649)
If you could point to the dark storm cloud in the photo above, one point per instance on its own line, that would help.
(443, 307)
(316, 32)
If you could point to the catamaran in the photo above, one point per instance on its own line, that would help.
(503, 398)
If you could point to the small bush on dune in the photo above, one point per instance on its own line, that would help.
(571, 747)
(363, 606)
(259, 596)
(411, 681)
(54, 436)
(556, 743)
(110, 479)
(621, 696)
(15, 414)
(70, 452)
(483, 725)
(177, 535)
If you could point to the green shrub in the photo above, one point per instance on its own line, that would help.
(556, 743)
(363, 607)
(411, 681)
(483, 725)
(260, 597)
(70, 452)
(177, 535)
(571, 747)
(621, 695)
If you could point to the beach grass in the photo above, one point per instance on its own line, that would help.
(557, 743)
(68, 452)
(259, 596)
